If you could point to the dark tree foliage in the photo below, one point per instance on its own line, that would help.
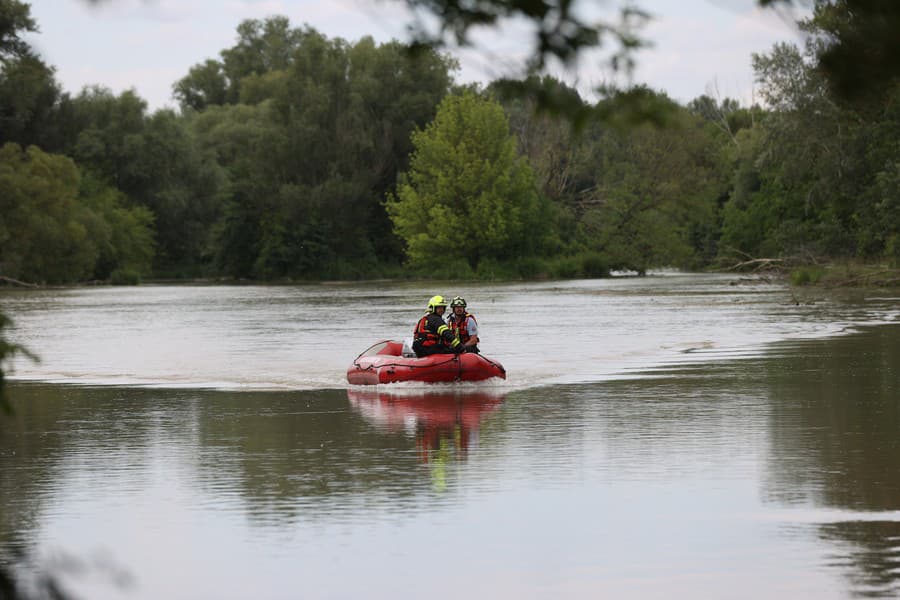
(817, 175)
(28, 89)
(28, 96)
(15, 19)
(861, 54)
(154, 161)
(312, 133)
(289, 142)
(561, 30)
(263, 48)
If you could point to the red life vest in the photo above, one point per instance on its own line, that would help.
(460, 327)
(423, 335)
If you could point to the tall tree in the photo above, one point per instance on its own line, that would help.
(653, 193)
(28, 88)
(45, 232)
(155, 162)
(814, 161)
(860, 56)
(552, 147)
(28, 96)
(57, 228)
(243, 139)
(263, 47)
(468, 195)
(15, 19)
(311, 147)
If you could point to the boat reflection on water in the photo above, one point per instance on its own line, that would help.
(443, 422)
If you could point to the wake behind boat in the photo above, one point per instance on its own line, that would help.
(385, 362)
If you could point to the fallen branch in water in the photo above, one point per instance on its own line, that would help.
(758, 264)
(11, 281)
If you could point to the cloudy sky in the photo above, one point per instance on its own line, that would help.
(699, 46)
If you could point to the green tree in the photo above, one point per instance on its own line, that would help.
(263, 48)
(204, 85)
(243, 140)
(183, 186)
(468, 196)
(549, 144)
(156, 162)
(747, 222)
(28, 97)
(56, 227)
(555, 149)
(820, 168)
(653, 192)
(44, 231)
(726, 117)
(106, 136)
(15, 18)
(124, 236)
(797, 156)
(310, 149)
(879, 221)
(28, 88)
(860, 58)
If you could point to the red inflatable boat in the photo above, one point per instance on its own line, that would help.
(385, 363)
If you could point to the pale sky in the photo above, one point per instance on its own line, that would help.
(700, 46)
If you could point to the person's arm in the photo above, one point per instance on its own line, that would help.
(447, 335)
(472, 328)
(449, 338)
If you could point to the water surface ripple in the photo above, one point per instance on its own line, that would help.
(304, 337)
(677, 436)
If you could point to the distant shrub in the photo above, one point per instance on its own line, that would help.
(594, 264)
(490, 269)
(582, 265)
(125, 277)
(531, 267)
(806, 275)
(892, 250)
(567, 267)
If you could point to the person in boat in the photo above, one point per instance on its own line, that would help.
(432, 335)
(463, 324)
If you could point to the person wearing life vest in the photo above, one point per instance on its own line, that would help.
(464, 326)
(432, 335)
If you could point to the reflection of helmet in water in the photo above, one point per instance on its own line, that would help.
(435, 302)
(458, 301)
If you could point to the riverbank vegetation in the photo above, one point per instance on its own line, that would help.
(298, 157)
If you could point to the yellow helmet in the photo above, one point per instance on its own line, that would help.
(435, 302)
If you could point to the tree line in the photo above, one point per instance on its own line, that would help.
(296, 156)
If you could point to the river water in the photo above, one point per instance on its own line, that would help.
(673, 436)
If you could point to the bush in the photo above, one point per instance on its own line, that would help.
(125, 277)
(581, 265)
(490, 269)
(892, 250)
(531, 267)
(806, 275)
(567, 267)
(594, 264)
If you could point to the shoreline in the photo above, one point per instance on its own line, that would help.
(828, 275)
